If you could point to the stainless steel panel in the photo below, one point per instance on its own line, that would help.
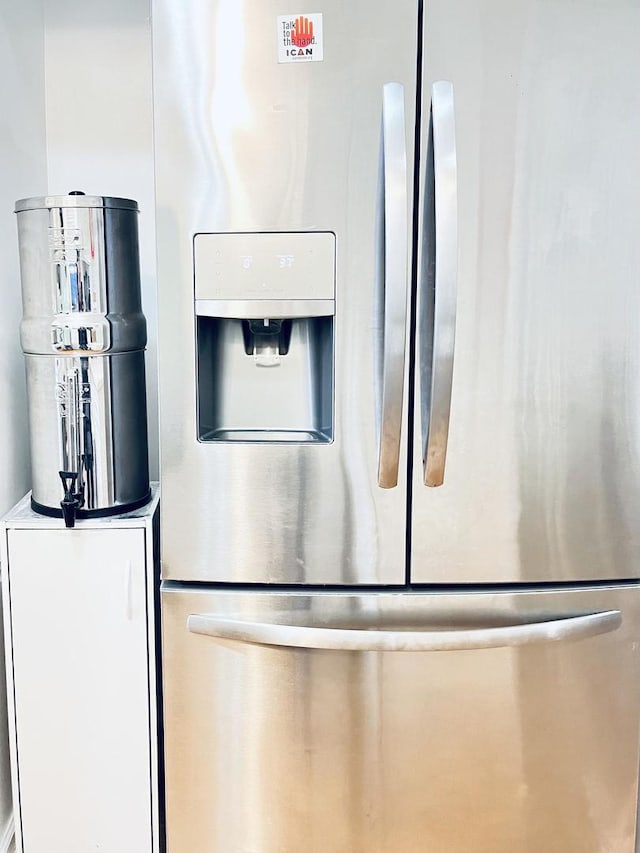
(513, 749)
(244, 143)
(543, 461)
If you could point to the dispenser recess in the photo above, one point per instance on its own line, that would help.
(265, 306)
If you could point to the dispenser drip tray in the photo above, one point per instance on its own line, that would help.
(288, 436)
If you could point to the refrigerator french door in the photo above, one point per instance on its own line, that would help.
(542, 478)
(399, 607)
(284, 196)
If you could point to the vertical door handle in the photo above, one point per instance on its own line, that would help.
(439, 281)
(393, 264)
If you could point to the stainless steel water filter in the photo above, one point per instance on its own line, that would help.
(83, 335)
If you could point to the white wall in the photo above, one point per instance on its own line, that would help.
(99, 126)
(75, 113)
(22, 173)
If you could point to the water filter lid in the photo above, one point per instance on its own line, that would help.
(75, 199)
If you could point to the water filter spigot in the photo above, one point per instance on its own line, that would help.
(72, 500)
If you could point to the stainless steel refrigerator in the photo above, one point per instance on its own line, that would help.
(400, 539)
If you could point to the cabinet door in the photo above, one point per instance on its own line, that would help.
(80, 668)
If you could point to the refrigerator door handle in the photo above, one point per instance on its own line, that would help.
(363, 640)
(440, 260)
(392, 266)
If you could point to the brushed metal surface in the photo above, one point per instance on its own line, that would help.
(543, 460)
(242, 144)
(498, 750)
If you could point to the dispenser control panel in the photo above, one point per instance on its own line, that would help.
(269, 266)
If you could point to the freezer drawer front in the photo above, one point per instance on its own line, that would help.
(527, 745)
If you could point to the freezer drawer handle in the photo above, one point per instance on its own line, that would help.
(392, 267)
(341, 639)
(438, 282)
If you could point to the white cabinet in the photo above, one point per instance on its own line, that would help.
(80, 641)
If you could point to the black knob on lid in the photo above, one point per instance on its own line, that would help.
(76, 192)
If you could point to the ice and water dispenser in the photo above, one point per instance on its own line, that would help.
(265, 306)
